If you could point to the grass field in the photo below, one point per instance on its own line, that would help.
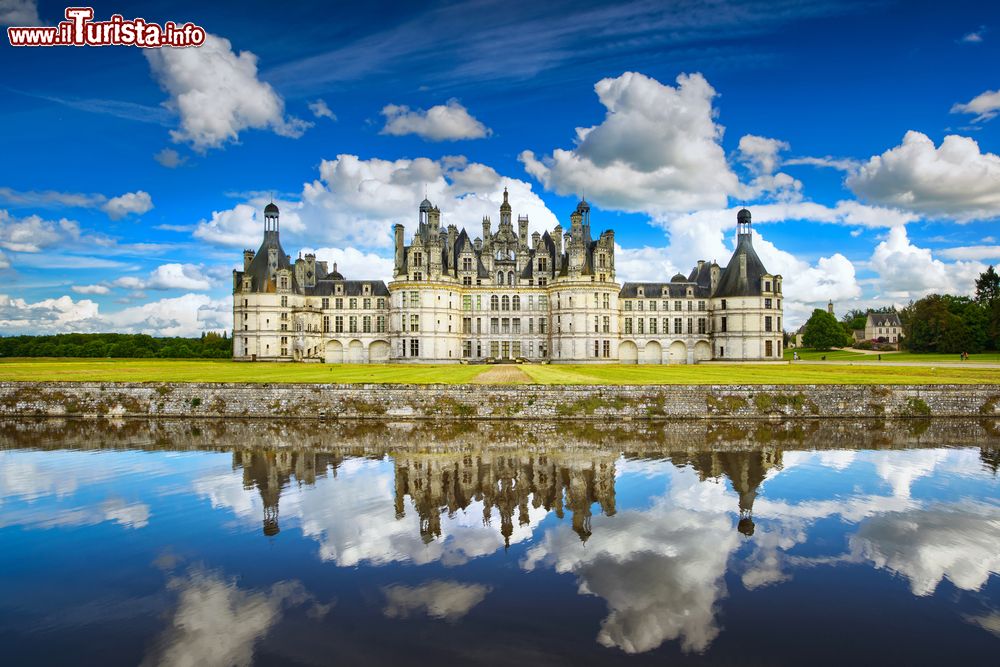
(909, 357)
(164, 370)
(223, 370)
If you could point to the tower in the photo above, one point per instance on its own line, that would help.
(743, 224)
(271, 220)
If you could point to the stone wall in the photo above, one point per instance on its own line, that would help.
(416, 402)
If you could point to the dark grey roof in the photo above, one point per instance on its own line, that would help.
(885, 319)
(351, 288)
(271, 208)
(731, 283)
(259, 270)
(656, 290)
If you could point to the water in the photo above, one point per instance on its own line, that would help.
(222, 543)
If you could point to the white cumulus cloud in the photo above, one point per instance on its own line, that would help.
(656, 151)
(907, 271)
(954, 180)
(217, 94)
(127, 204)
(444, 122)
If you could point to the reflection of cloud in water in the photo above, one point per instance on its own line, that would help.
(989, 622)
(217, 623)
(660, 571)
(448, 600)
(960, 543)
(127, 515)
(353, 518)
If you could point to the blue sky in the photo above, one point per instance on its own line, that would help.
(860, 134)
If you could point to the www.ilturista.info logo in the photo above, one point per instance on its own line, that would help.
(79, 29)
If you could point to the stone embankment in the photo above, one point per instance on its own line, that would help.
(538, 402)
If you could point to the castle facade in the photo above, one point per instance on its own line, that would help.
(503, 296)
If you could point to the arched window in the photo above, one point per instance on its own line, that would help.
(516, 303)
(494, 302)
(510, 278)
(505, 304)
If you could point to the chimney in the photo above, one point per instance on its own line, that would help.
(397, 231)
(715, 273)
(522, 229)
(247, 258)
(535, 238)
(452, 237)
(486, 231)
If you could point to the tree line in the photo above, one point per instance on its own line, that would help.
(936, 323)
(124, 346)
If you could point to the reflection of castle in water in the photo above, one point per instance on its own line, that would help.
(745, 470)
(509, 482)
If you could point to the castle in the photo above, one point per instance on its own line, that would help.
(503, 296)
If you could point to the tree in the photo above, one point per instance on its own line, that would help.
(822, 331)
(988, 297)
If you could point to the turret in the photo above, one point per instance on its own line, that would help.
(271, 222)
(505, 210)
(247, 258)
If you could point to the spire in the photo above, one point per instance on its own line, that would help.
(505, 206)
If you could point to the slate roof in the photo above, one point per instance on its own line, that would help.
(731, 283)
(884, 320)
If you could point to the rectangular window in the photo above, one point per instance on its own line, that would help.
(606, 301)
(723, 304)
(597, 348)
(414, 323)
(701, 305)
(516, 325)
(607, 324)
(494, 348)
(767, 324)
(690, 325)
(640, 305)
(284, 302)
(414, 299)
(531, 325)
(677, 305)
(366, 304)
(494, 325)
(652, 325)
(628, 325)
(723, 329)
(380, 324)
(690, 305)
(467, 349)
(326, 303)
(701, 325)
(338, 304)
(768, 348)
(466, 302)
(652, 305)
(414, 347)
(366, 324)
(352, 324)
(678, 325)
(543, 302)
(338, 324)
(639, 324)
(352, 304)
(628, 305)
(326, 324)
(767, 304)
(542, 327)
(607, 349)
(467, 325)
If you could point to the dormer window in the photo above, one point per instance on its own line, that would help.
(640, 291)
(339, 289)
(767, 285)
(366, 289)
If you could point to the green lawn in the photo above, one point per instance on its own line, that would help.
(759, 374)
(165, 370)
(909, 357)
(223, 370)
